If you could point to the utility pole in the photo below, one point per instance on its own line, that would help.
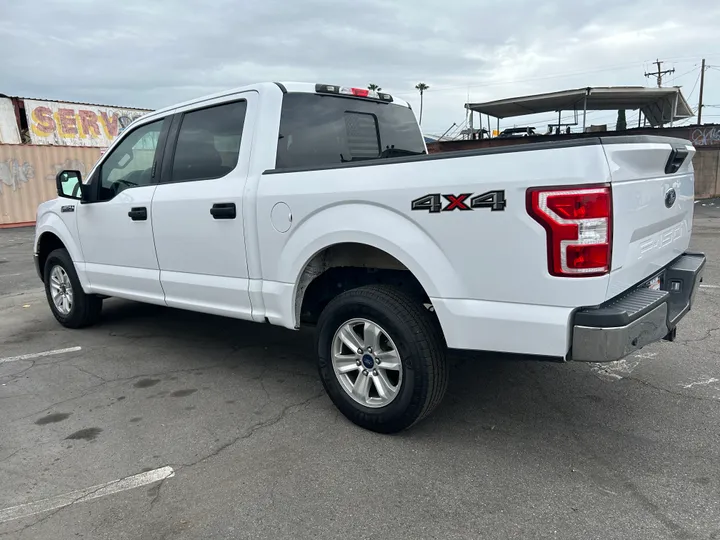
(659, 73)
(702, 87)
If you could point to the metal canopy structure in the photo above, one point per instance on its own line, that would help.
(658, 105)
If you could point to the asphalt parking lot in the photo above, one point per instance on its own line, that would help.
(159, 423)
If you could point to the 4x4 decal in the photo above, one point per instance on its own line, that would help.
(494, 200)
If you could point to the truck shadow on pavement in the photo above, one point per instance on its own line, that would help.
(487, 396)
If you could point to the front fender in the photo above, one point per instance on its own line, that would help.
(50, 222)
(376, 226)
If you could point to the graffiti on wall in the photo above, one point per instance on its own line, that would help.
(706, 136)
(27, 176)
(69, 164)
(14, 173)
(71, 124)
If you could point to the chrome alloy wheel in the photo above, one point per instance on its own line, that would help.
(61, 290)
(366, 363)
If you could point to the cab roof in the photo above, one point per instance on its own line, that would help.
(260, 87)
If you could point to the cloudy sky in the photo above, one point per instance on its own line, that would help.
(152, 53)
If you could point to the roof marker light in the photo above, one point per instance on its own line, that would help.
(350, 91)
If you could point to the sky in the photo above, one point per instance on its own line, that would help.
(153, 53)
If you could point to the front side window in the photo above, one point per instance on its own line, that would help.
(208, 143)
(320, 130)
(131, 162)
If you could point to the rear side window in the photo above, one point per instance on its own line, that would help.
(208, 143)
(318, 130)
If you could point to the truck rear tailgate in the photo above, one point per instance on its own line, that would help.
(653, 197)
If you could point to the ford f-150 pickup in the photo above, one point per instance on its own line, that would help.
(303, 204)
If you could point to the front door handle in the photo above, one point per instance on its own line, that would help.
(138, 214)
(223, 211)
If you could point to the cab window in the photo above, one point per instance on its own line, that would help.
(130, 164)
(320, 131)
(208, 143)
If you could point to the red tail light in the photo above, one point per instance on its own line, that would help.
(579, 228)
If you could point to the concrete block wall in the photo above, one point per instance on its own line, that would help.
(707, 172)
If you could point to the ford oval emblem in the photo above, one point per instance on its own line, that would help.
(670, 197)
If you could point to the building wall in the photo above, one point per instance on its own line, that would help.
(75, 124)
(27, 177)
(705, 135)
(707, 170)
(9, 133)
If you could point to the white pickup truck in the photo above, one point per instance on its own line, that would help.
(302, 204)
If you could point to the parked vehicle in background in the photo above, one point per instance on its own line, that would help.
(299, 204)
(518, 132)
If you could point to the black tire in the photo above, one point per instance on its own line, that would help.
(86, 308)
(417, 337)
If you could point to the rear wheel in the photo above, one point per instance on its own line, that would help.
(68, 303)
(381, 358)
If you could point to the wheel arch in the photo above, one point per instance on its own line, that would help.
(346, 265)
(52, 233)
(47, 243)
(388, 232)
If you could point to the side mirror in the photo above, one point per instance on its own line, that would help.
(69, 184)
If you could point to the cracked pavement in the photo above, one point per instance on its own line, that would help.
(518, 449)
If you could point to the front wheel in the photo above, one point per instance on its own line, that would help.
(381, 358)
(68, 302)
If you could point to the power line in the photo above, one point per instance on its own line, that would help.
(686, 73)
(679, 60)
(694, 87)
(511, 81)
(658, 74)
(692, 57)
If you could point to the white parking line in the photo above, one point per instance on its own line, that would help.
(710, 286)
(82, 495)
(701, 383)
(9, 275)
(38, 355)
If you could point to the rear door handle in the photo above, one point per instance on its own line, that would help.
(223, 211)
(138, 214)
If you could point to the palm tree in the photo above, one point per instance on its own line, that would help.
(373, 86)
(421, 87)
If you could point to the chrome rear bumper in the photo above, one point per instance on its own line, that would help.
(639, 316)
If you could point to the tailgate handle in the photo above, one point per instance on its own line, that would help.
(675, 161)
